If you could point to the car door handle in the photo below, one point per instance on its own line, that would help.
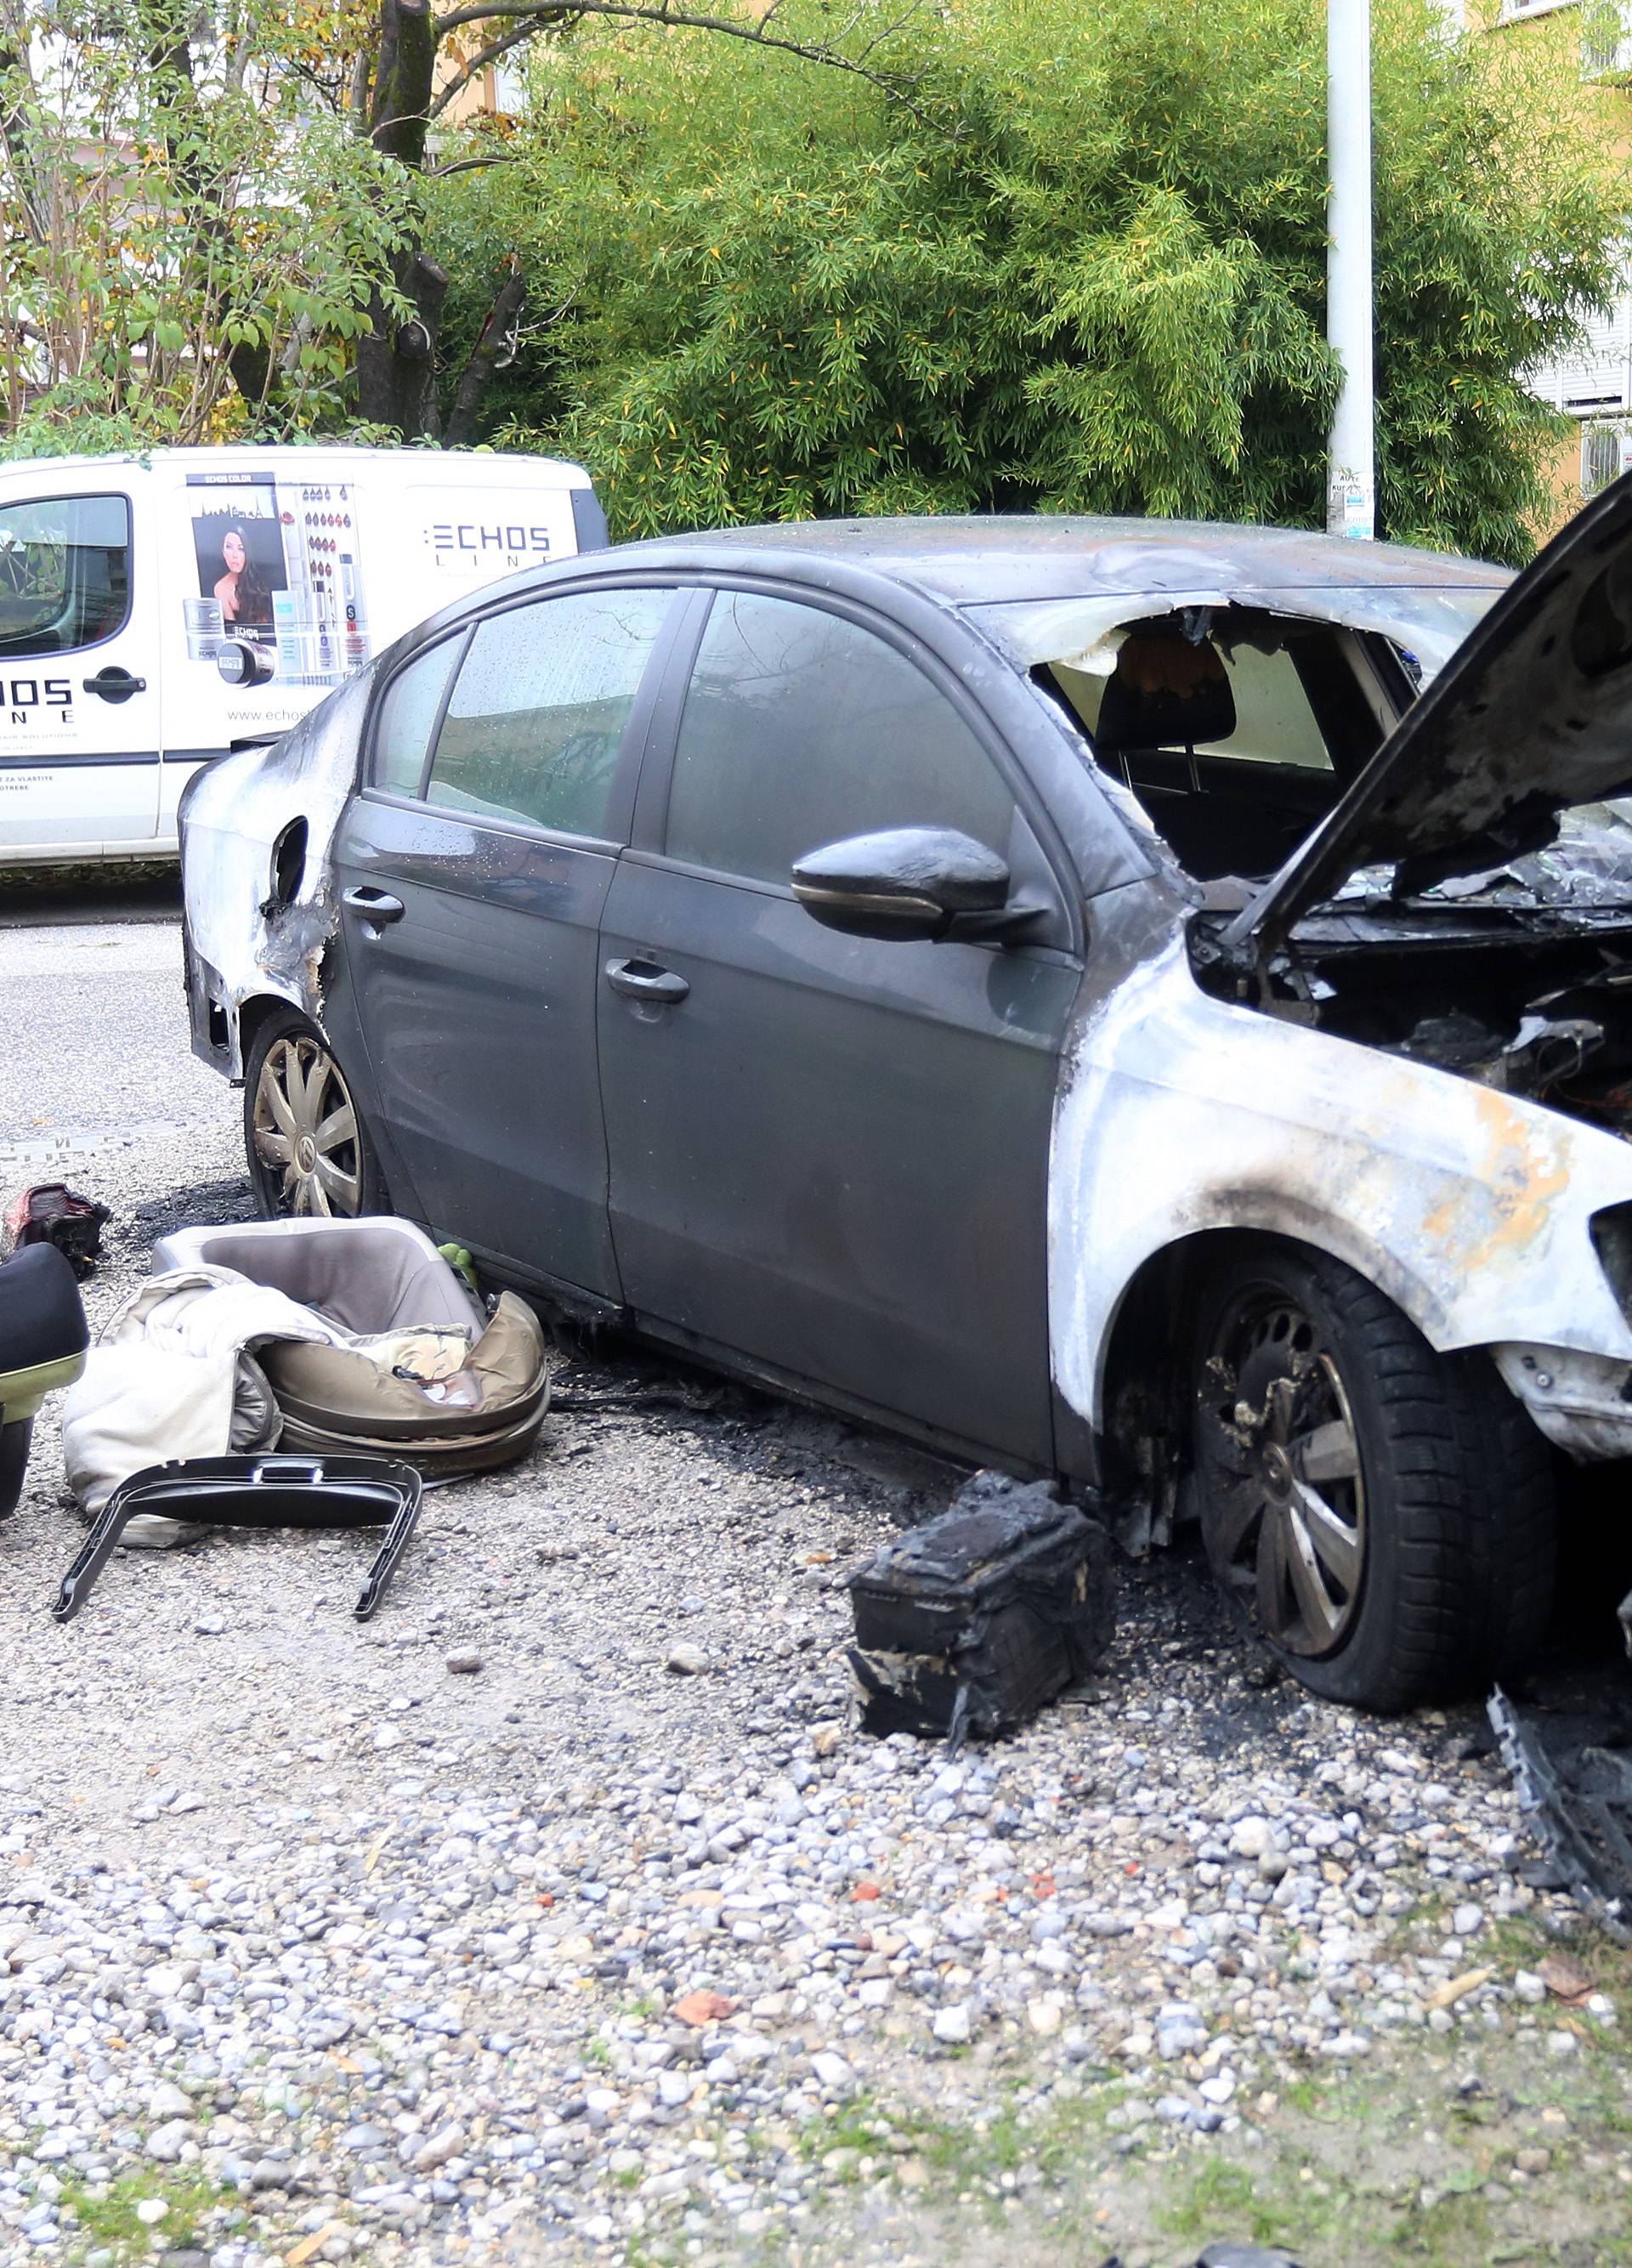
(114, 684)
(643, 980)
(373, 905)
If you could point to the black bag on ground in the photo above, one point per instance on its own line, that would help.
(973, 1621)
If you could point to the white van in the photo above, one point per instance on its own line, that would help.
(155, 610)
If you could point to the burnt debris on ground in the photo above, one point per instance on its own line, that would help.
(972, 1622)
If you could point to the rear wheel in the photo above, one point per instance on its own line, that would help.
(1383, 1514)
(307, 1148)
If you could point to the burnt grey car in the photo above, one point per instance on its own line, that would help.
(1138, 1002)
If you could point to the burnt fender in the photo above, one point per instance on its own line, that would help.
(1178, 1113)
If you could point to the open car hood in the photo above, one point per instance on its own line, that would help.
(1532, 713)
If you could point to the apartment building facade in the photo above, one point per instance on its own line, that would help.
(1592, 386)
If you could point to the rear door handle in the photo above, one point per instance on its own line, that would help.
(115, 684)
(645, 980)
(377, 906)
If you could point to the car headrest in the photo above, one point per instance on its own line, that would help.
(1164, 693)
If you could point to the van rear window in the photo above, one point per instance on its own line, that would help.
(64, 572)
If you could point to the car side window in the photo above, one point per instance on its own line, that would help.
(535, 724)
(65, 573)
(801, 728)
(408, 718)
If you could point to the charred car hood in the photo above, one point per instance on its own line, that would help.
(1532, 714)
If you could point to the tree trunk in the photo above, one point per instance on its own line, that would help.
(397, 362)
(405, 72)
(493, 350)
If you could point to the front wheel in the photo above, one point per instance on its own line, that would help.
(1383, 1514)
(306, 1145)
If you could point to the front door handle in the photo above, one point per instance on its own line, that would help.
(642, 980)
(115, 684)
(376, 906)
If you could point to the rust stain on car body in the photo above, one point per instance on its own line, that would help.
(1522, 1171)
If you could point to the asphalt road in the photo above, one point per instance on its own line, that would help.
(31, 897)
(97, 1054)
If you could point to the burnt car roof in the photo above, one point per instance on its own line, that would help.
(999, 558)
(974, 559)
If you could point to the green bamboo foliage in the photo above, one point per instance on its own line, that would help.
(1082, 268)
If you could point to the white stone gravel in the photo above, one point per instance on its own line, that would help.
(562, 1905)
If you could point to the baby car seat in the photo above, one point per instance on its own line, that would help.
(434, 1378)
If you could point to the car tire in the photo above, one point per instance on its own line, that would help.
(308, 1149)
(1383, 1514)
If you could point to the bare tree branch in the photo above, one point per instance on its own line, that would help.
(289, 361)
(359, 90)
(15, 136)
(494, 349)
(480, 62)
(472, 165)
(298, 67)
(243, 46)
(538, 16)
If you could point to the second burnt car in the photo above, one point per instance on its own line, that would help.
(1142, 1002)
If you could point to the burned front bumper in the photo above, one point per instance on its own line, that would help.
(1583, 1403)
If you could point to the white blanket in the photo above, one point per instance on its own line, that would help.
(173, 1375)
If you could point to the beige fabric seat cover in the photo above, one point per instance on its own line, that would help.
(378, 1274)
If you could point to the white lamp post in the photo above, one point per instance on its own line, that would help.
(1351, 480)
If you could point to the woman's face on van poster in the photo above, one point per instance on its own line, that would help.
(232, 551)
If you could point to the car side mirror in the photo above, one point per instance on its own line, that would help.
(911, 882)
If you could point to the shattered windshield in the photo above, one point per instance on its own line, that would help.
(1231, 729)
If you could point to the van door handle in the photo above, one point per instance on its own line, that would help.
(115, 684)
(642, 980)
(375, 906)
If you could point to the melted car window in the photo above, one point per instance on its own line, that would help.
(534, 724)
(1426, 623)
(1235, 729)
(801, 728)
(1274, 721)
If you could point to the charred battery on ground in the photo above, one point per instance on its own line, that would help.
(973, 1621)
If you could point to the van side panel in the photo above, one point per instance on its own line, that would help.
(470, 523)
(343, 553)
(260, 579)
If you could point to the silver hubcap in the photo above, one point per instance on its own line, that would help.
(305, 1130)
(1283, 1496)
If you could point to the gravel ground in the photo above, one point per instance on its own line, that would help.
(561, 1914)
